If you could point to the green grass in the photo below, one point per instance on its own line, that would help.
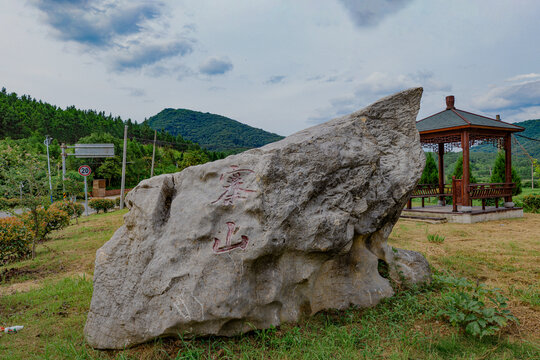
(402, 327)
(528, 191)
(435, 238)
(529, 294)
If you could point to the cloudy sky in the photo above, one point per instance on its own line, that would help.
(280, 65)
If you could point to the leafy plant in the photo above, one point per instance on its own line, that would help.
(531, 203)
(101, 204)
(478, 310)
(73, 209)
(47, 220)
(15, 239)
(435, 238)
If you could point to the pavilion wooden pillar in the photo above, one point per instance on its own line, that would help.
(508, 162)
(466, 171)
(441, 173)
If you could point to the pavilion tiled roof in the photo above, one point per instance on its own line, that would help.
(455, 118)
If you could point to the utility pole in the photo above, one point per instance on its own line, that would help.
(153, 154)
(47, 142)
(64, 155)
(124, 151)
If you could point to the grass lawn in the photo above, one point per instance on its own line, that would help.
(51, 295)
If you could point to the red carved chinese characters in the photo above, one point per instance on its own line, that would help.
(234, 190)
(228, 241)
(233, 186)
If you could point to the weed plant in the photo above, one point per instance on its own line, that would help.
(435, 238)
(478, 310)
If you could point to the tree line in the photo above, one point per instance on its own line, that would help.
(25, 121)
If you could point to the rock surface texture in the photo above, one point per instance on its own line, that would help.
(266, 236)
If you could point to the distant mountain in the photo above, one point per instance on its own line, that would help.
(532, 131)
(211, 131)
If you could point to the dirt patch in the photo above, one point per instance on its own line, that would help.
(20, 287)
(7, 275)
(529, 320)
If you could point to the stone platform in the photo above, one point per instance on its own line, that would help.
(476, 215)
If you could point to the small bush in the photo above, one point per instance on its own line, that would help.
(15, 240)
(478, 310)
(73, 209)
(101, 204)
(9, 203)
(117, 201)
(56, 219)
(49, 219)
(435, 238)
(531, 203)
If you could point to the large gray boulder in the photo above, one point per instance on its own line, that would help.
(266, 236)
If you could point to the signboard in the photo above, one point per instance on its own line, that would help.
(85, 170)
(94, 150)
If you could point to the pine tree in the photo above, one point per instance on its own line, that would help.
(430, 175)
(458, 171)
(499, 174)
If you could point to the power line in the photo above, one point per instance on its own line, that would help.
(528, 138)
(184, 146)
(525, 151)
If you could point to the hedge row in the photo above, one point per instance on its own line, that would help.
(101, 204)
(531, 203)
(9, 203)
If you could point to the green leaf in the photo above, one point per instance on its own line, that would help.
(473, 328)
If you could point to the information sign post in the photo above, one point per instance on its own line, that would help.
(84, 171)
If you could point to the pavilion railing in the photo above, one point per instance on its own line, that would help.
(480, 191)
(490, 191)
(429, 190)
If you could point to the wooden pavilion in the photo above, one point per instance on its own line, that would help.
(453, 128)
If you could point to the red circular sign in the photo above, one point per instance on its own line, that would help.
(85, 170)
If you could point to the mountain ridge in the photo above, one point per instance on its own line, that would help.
(211, 131)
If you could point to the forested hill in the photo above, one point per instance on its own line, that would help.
(532, 131)
(23, 117)
(214, 132)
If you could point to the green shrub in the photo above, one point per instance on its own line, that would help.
(101, 204)
(9, 203)
(478, 310)
(531, 203)
(73, 209)
(117, 201)
(435, 238)
(56, 219)
(49, 220)
(15, 240)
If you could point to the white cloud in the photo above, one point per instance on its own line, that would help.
(524, 77)
(374, 86)
(379, 83)
(524, 93)
(331, 64)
